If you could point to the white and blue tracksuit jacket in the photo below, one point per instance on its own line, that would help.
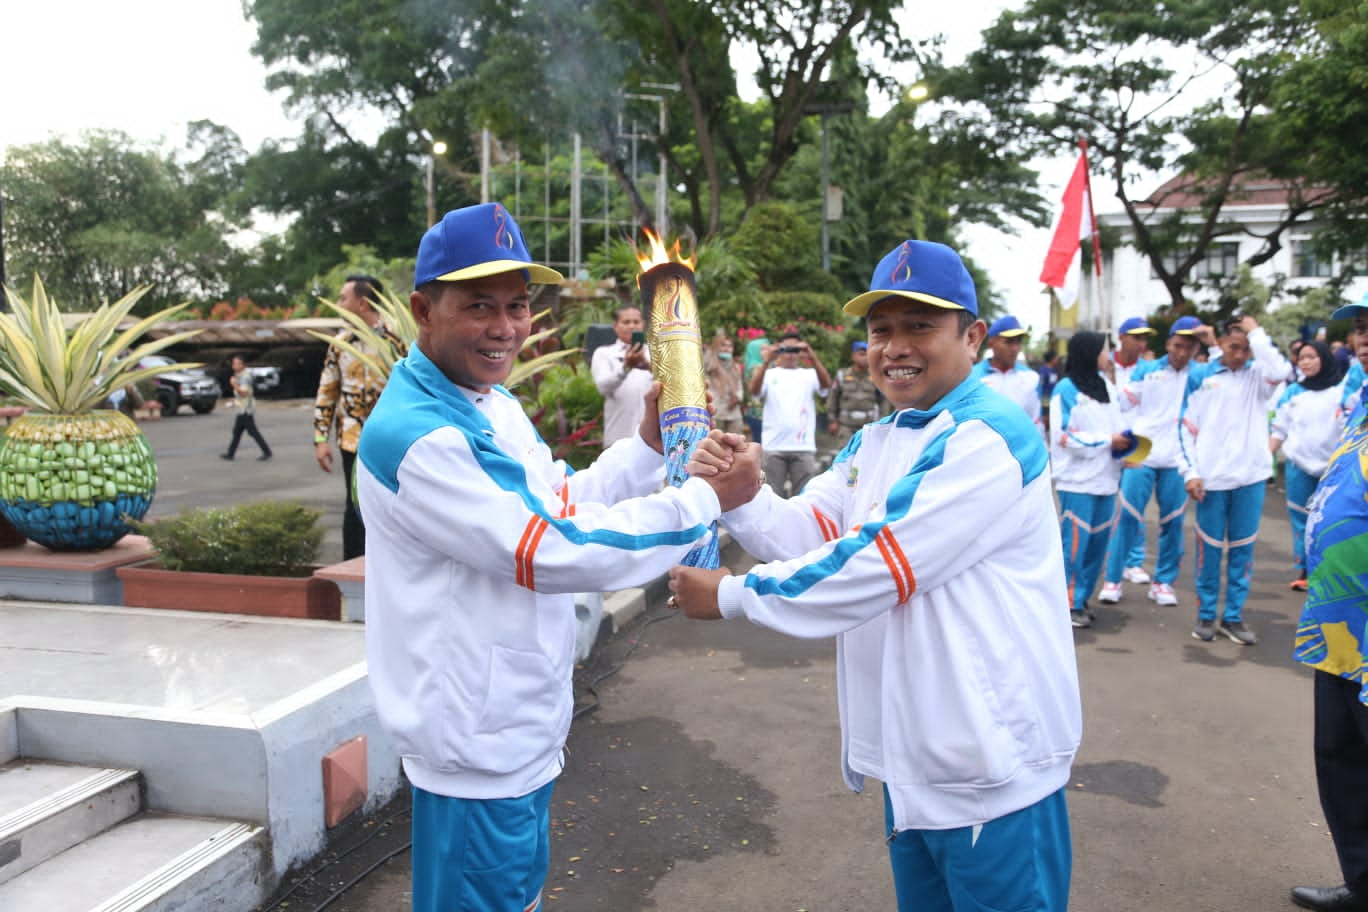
(1081, 430)
(1020, 384)
(1223, 437)
(1309, 424)
(476, 541)
(931, 550)
(1152, 400)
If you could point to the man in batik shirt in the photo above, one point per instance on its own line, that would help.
(347, 391)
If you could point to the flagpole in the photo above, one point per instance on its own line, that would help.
(1106, 321)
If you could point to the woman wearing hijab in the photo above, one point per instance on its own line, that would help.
(1306, 428)
(1087, 437)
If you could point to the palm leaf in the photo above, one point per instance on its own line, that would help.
(524, 369)
(52, 370)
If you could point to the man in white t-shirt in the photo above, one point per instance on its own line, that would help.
(622, 373)
(785, 382)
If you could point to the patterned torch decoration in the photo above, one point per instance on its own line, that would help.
(670, 306)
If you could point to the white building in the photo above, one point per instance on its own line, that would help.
(1131, 288)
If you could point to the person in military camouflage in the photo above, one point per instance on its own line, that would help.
(853, 401)
(347, 391)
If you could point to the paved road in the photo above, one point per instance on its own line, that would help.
(702, 773)
(191, 474)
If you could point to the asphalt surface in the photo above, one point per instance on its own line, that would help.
(703, 766)
(191, 474)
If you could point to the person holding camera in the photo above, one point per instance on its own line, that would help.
(785, 383)
(622, 373)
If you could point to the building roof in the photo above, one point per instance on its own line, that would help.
(1250, 189)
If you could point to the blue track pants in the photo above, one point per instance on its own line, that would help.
(1127, 548)
(1085, 524)
(1227, 522)
(1300, 486)
(1021, 861)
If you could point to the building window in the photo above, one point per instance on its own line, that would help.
(1307, 263)
(1220, 261)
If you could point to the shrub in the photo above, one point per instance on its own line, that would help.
(269, 538)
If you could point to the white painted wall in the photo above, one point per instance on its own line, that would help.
(1131, 291)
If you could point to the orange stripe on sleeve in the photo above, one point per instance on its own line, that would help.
(902, 559)
(892, 568)
(825, 524)
(522, 546)
(542, 526)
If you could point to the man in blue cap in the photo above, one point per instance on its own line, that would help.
(1132, 343)
(1154, 400)
(476, 542)
(1332, 638)
(1004, 371)
(930, 549)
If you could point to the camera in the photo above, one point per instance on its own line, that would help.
(789, 349)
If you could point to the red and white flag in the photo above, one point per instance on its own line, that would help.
(1076, 223)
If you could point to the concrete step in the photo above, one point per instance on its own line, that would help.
(149, 863)
(46, 808)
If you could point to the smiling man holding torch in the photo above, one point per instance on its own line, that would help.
(930, 550)
(476, 541)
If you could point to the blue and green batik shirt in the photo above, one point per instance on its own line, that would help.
(1332, 635)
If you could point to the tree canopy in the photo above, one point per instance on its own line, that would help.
(1152, 90)
(99, 216)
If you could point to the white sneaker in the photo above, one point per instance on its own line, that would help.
(1162, 594)
(1111, 593)
(1136, 575)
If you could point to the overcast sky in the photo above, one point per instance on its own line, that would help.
(149, 67)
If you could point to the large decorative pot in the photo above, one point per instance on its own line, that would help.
(71, 482)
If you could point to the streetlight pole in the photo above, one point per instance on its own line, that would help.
(824, 110)
(438, 148)
(826, 196)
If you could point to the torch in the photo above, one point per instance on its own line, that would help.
(670, 305)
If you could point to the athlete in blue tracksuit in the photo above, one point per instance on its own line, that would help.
(1226, 465)
(1152, 400)
(476, 541)
(930, 550)
(1306, 429)
(1086, 441)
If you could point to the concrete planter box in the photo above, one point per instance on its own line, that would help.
(350, 578)
(30, 571)
(147, 585)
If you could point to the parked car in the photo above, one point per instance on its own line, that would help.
(265, 379)
(184, 386)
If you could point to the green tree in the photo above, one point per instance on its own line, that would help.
(1135, 79)
(99, 216)
(1320, 106)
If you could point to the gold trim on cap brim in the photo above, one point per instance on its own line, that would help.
(536, 274)
(859, 305)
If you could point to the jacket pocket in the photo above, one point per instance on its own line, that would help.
(521, 696)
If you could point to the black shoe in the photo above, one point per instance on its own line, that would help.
(263, 457)
(227, 456)
(1329, 899)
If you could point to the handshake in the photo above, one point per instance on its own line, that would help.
(731, 465)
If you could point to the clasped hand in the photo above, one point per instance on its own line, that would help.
(730, 464)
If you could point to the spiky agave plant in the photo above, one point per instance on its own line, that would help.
(378, 353)
(72, 474)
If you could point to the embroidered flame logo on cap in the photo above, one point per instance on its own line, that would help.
(503, 237)
(902, 270)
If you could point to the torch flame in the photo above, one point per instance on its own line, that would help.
(658, 255)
